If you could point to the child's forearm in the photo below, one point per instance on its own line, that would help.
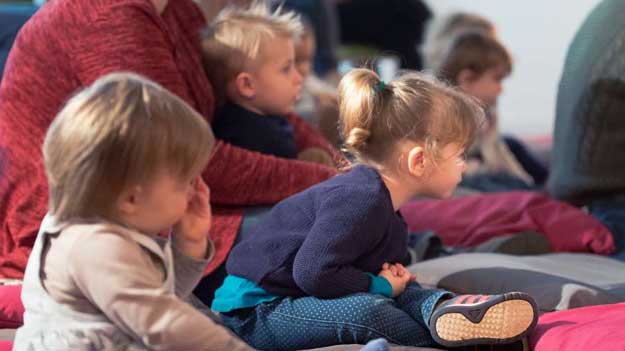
(196, 249)
(188, 270)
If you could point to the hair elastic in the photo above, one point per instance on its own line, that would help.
(380, 86)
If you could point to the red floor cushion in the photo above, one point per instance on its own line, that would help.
(581, 329)
(6, 345)
(11, 308)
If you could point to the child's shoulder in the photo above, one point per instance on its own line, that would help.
(361, 184)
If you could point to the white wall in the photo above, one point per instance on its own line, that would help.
(537, 33)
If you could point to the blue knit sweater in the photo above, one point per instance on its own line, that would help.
(323, 241)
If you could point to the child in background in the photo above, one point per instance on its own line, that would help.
(441, 30)
(99, 276)
(325, 266)
(249, 56)
(507, 163)
(478, 63)
(319, 99)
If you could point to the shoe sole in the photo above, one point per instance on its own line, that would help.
(501, 320)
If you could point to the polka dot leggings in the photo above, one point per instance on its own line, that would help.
(309, 322)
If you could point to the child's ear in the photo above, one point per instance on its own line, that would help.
(416, 161)
(465, 78)
(128, 201)
(244, 84)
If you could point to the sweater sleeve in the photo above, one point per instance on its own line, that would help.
(306, 136)
(236, 176)
(124, 283)
(346, 227)
(128, 38)
(240, 177)
(189, 270)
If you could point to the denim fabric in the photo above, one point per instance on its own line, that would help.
(494, 182)
(309, 322)
(612, 215)
(530, 162)
(12, 18)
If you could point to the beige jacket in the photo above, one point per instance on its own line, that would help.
(100, 286)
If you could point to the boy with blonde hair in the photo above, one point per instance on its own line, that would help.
(249, 56)
(123, 160)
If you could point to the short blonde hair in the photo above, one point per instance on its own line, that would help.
(375, 116)
(117, 133)
(234, 40)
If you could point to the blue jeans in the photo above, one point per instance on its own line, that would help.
(612, 215)
(309, 322)
(528, 161)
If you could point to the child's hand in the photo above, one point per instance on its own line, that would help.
(397, 275)
(400, 270)
(316, 155)
(190, 234)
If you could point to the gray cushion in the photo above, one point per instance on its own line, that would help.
(557, 281)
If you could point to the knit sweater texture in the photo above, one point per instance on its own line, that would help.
(323, 241)
(67, 45)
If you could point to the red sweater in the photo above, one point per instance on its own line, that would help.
(70, 43)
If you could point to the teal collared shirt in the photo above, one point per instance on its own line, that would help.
(236, 293)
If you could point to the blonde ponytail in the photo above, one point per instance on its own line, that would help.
(360, 100)
(375, 116)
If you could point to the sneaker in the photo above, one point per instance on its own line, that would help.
(483, 319)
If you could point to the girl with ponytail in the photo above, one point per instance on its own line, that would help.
(326, 265)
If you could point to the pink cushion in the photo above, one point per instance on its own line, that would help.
(581, 329)
(6, 345)
(11, 308)
(470, 220)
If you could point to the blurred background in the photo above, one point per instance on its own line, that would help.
(537, 33)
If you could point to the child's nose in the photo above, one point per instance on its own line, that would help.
(499, 89)
(298, 79)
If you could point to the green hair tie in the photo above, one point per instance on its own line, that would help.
(380, 86)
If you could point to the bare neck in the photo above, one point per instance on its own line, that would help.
(400, 193)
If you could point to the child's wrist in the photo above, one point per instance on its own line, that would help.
(192, 247)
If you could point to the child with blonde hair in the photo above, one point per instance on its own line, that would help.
(249, 56)
(123, 161)
(326, 265)
(319, 98)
